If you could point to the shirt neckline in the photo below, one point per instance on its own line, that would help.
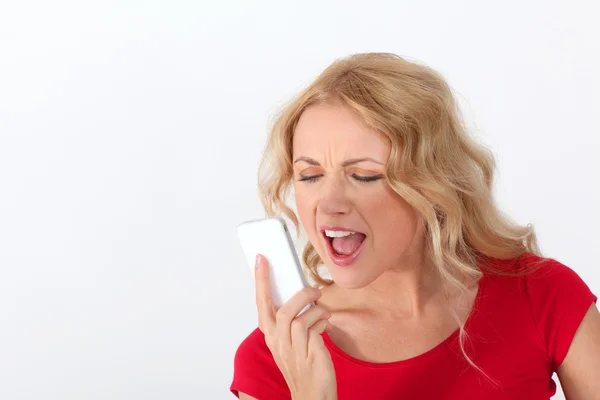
(444, 344)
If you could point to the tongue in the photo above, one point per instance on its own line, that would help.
(348, 244)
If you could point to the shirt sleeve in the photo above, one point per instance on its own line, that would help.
(559, 300)
(255, 372)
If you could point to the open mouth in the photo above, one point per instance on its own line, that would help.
(343, 245)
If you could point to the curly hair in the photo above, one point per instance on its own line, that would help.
(434, 164)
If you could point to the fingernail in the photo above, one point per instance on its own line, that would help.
(258, 259)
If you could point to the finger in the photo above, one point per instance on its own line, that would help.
(314, 333)
(301, 325)
(299, 301)
(329, 327)
(290, 310)
(264, 301)
(316, 344)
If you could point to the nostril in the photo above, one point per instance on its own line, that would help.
(334, 208)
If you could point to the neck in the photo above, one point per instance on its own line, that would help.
(404, 291)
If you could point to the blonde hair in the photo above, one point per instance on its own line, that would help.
(434, 164)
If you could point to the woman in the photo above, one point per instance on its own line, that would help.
(433, 294)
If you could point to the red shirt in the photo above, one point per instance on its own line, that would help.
(519, 331)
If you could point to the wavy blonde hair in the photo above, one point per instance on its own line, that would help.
(434, 164)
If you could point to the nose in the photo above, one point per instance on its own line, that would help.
(333, 199)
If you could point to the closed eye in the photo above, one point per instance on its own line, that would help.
(367, 178)
(311, 178)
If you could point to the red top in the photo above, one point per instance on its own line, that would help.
(519, 332)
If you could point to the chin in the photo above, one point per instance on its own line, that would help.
(350, 278)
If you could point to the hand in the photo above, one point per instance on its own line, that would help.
(295, 341)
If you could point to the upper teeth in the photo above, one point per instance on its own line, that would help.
(338, 233)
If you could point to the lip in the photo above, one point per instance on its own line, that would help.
(341, 261)
(324, 228)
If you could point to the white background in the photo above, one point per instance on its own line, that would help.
(129, 139)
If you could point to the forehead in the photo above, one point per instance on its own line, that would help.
(337, 131)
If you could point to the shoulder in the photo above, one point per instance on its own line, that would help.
(254, 345)
(547, 278)
(545, 282)
(556, 295)
(546, 270)
(534, 274)
(255, 371)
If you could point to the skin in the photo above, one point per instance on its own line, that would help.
(389, 304)
(579, 374)
(295, 341)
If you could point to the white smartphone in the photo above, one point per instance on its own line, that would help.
(270, 237)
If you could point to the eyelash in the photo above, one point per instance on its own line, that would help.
(365, 179)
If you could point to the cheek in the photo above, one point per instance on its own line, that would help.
(305, 207)
(393, 221)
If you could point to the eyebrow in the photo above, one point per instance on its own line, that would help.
(346, 163)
